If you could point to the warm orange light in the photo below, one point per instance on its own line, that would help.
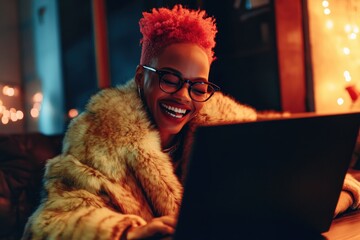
(329, 24)
(340, 101)
(327, 11)
(37, 105)
(347, 28)
(325, 4)
(6, 113)
(335, 54)
(346, 50)
(347, 76)
(13, 117)
(356, 29)
(19, 114)
(352, 36)
(34, 113)
(38, 97)
(8, 91)
(4, 120)
(73, 113)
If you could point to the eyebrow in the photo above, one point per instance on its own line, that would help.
(172, 70)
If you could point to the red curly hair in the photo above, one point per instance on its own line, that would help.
(162, 27)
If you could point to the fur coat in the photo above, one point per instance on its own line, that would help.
(112, 171)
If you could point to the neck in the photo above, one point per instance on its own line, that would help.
(167, 140)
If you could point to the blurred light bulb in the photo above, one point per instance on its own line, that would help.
(356, 29)
(37, 105)
(4, 120)
(6, 113)
(352, 36)
(327, 11)
(13, 117)
(340, 101)
(73, 113)
(329, 24)
(347, 76)
(34, 112)
(346, 50)
(325, 4)
(37, 97)
(8, 91)
(19, 114)
(347, 28)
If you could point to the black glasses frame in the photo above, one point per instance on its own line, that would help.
(161, 73)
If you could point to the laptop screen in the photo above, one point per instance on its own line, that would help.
(265, 177)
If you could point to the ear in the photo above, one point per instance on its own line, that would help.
(139, 76)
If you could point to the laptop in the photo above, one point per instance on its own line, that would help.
(271, 179)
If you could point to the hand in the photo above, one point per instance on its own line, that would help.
(344, 202)
(159, 227)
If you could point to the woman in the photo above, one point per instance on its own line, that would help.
(119, 175)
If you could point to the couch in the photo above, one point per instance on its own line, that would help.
(22, 160)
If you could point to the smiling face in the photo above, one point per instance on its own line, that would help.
(172, 111)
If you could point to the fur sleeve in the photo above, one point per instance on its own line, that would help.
(222, 109)
(111, 174)
(71, 212)
(352, 186)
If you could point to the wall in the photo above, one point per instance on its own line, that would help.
(54, 52)
(48, 61)
(10, 68)
(30, 64)
(335, 46)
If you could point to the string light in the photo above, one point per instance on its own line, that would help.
(348, 28)
(34, 112)
(325, 4)
(356, 29)
(352, 36)
(329, 24)
(37, 100)
(347, 37)
(340, 101)
(347, 76)
(38, 97)
(73, 113)
(9, 113)
(19, 114)
(8, 91)
(9, 110)
(346, 50)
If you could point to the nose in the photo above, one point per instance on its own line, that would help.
(183, 93)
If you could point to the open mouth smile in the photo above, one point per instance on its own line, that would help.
(174, 111)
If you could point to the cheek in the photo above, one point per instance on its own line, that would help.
(197, 108)
(149, 91)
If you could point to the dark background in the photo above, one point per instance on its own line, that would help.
(246, 65)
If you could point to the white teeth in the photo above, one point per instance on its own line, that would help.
(173, 115)
(174, 109)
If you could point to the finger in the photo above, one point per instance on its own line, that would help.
(344, 202)
(153, 228)
(158, 227)
(168, 220)
(137, 221)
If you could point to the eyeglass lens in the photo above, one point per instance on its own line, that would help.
(199, 91)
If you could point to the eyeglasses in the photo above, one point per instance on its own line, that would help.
(171, 82)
